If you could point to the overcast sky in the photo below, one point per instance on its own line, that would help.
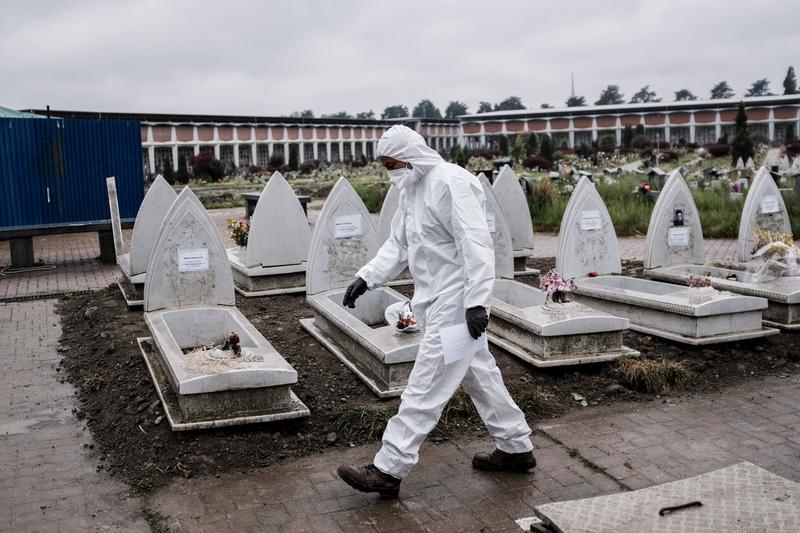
(272, 58)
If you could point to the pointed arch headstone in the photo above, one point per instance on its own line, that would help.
(674, 234)
(587, 241)
(390, 204)
(149, 220)
(501, 234)
(279, 232)
(343, 241)
(189, 265)
(763, 209)
(515, 208)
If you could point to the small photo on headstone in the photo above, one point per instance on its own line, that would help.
(677, 217)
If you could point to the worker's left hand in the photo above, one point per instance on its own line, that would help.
(477, 320)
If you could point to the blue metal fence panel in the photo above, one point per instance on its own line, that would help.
(54, 171)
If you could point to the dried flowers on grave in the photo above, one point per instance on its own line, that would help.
(240, 229)
(699, 282)
(765, 237)
(232, 343)
(556, 288)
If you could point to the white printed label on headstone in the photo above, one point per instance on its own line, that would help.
(193, 260)
(491, 222)
(347, 226)
(770, 205)
(678, 237)
(591, 220)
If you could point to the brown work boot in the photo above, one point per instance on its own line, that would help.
(500, 460)
(369, 479)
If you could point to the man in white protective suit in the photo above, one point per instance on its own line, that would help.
(440, 232)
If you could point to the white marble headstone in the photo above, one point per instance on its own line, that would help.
(189, 265)
(344, 240)
(739, 164)
(749, 163)
(587, 241)
(515, 208)
(674, 235)
(388, 209)
(149, 219)
(279, 233)
(113, 209)
(501, 233)
(763, 209)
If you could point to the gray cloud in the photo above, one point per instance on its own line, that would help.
(271, 58)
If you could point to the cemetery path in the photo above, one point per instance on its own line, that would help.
(597, 451)
(54, 481)
(50, 479)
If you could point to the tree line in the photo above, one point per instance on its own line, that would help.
(611, 95)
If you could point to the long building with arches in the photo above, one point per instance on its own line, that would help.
(252, 140)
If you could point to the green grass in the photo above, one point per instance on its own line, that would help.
(372, 193)
(630, 213)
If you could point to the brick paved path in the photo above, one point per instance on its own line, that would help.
(49, 478)
(638, 445)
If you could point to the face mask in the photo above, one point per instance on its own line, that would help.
(398, 176)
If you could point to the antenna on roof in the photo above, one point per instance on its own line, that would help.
(572, 74)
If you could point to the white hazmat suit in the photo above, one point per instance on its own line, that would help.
(440, 232)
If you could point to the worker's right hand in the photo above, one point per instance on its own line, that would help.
(354, 290)
(477, 320)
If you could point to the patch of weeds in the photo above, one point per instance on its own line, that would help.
(651, 376)
(360, 424)
(145, 485)
(535, 401)
(156, 521)
(459, 406)
(573, 452)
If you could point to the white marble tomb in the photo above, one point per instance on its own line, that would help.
(515, 208)
(274, 259)
(134, 258)
(544, 334)
(344, 240)
(675, 253)
(189, 306)
(589, 252)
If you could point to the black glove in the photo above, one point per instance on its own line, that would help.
(354, 290)
(477, 320)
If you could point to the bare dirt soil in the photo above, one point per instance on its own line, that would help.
(119, 402)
